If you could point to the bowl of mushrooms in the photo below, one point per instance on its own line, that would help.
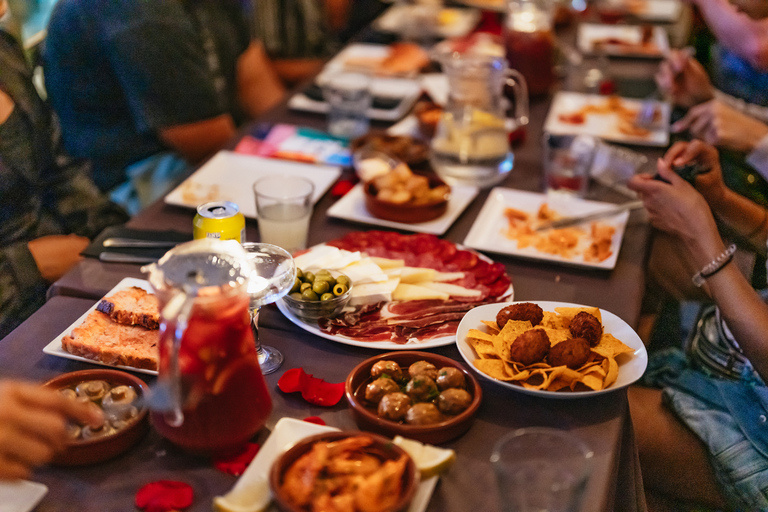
(120, 396)
(418, 395)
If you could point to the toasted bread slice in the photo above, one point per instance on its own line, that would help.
(132, 306)
(101, 339)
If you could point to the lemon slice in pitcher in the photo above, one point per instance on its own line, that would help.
(254, 497)
(430, 460)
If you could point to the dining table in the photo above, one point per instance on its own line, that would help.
(602, 421)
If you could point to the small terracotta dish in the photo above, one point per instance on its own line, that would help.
(382, 448)
(366, 414)
(408, 213)
(127, 420)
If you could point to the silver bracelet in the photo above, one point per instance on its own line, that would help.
(714, 266)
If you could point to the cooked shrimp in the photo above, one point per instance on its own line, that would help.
(380, 491)
(299, 481)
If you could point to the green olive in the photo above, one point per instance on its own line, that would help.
(343, 280)
(305, 286)
(340, 289)
(327, 296)
(309, 295)
(296, 295)
(322, 272)
(320, 287)
(296, 285)
(309, 277)
(299, 273)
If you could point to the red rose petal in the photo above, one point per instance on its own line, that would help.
(342, 187)
(236, 465)
(317, 420)
(313, 390)
(164, 496)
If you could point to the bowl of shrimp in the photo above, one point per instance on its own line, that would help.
(347, 470)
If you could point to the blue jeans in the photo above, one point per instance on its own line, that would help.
(730, 417)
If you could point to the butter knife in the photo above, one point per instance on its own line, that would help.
(119, 257)
(579, 219)
(136, 243)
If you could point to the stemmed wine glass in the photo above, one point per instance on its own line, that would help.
(273, 276)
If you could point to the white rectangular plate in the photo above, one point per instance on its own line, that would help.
(229, 176)
(352, 207)
(344, 60)
(408, 91)
(456, 22)
(603, 125)
(590, 33)
(20, 495)
(289, 431)
(656, 10)
(54, 348)
(487, 232)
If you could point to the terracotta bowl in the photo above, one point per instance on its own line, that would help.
(405, 213)
(367, 418)
(412, 151)
(381, 446)
(90, 451)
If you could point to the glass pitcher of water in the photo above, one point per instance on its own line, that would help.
(210, 395)
(471, 143)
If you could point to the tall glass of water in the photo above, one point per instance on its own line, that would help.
(273, 275)
(283, 209)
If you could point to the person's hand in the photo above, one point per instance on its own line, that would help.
(709, 184)
(716, 123)
(56, 254)
(683, 79)
(6, 105)
(33, 425)
(675, 207)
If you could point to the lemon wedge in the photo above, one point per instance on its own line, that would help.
(254, 497)
(430, 460)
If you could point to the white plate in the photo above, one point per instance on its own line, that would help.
(631, 366)
(395, 18)
(408, 91)
(379, 345)
(20, 495)
(54, 348)
(352, 207)
(229, 176)
(655, 10)
(603, 125)
(288, 432)
(487, 232)
(590, 33)
(341, 61)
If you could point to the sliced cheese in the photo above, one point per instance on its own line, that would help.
(447, 276)
(416, 274)
(316, 255)
(386, 263)
(344, 259)
(393, 272)
(364, 271)
(370, 293)
(452, 289)
(406, 291)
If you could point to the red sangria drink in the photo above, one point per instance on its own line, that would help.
(225, 399)
(533, 55)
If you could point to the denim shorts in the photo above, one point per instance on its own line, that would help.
(730, 417)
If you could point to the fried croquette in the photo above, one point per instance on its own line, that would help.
(573, 353)
(586, 326)
(530, 347)
(524, 311)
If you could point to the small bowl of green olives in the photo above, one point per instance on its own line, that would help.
(318, 294)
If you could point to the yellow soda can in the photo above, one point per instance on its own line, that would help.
(219, 219)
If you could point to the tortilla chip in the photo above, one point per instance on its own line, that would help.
(552, 320)
(610, 347)
(483, 349)
(557, 335)
(569, 313)
(493, 327)
(491, 367)
(613, 372)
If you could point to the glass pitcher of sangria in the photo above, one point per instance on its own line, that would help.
(530, 44)
(210, 395)
(471, 142)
